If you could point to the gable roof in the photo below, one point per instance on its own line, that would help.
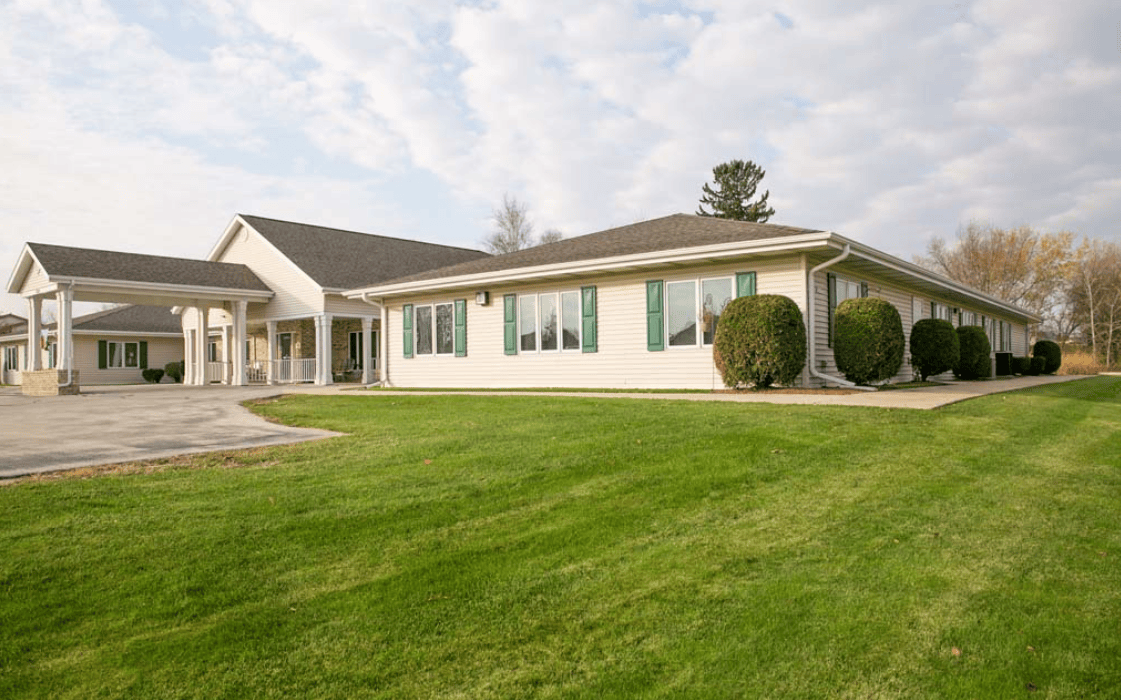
(672, 232)
(338, 259)
(131, 318)
(87, 263)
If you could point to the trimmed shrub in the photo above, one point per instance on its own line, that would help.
(1050, 351)
(934, 347)
(152, 375)
(867, 340)
(974, 354)
(760, 340)
(1021, 365)
(174, 371)
(1038, 364)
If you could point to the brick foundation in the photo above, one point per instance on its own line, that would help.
(45, 382)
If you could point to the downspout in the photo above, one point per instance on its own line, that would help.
(811, 287)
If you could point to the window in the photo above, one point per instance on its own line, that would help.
(940, 311)
(11, 357)
(212, 351)
(681, 316)
(123, 355)
(570, 320)
(434, 329)
(691, 320)
(969, 318)
(550, 322)
(52, 355)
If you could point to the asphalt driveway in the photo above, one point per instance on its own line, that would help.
(110, 424)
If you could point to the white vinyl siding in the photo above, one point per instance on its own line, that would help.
(295, 294)
(36, 278)
(621, 359)
(161, 351)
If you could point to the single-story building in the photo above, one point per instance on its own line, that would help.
(112, 346)
(630, 307)
(637, 306)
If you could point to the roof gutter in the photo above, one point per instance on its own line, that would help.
(811, 289)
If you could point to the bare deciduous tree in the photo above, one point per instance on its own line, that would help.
(513, 229)
(1020, 266)
(1094, 296)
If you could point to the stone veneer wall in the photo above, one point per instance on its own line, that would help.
(46, 382)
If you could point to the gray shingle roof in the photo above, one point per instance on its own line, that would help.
(65, 261)
(667, 233)
(131, 319)
(338, 259)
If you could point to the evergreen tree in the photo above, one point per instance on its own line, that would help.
(735, 186)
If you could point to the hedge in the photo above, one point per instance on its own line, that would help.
(868, 340)
(975, 354)
(760, 340)
(934, 347)
(174, 370)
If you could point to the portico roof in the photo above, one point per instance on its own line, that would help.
(103, 275)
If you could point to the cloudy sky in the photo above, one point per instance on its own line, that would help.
(146, 125)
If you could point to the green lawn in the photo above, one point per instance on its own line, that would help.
(504, 547)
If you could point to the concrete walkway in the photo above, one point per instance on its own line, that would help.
(112, 424)
(924, 398)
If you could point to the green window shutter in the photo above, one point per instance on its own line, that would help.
(143, 354)
(407, 329)
(588, 295)
(510, 323)
(655, 326)
(831, 301)
(745, 284)
(461, 328)
(102, 354)
(864, 289)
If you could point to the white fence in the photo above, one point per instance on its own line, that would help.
(215, 372)
(294, 371)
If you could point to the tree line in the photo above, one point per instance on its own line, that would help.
(1075, 288)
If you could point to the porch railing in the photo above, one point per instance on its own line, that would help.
(294, 371)
(215, 372)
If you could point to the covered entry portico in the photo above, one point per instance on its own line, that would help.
(66, 275)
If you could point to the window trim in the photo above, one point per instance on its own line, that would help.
(698, 308)
(559, 295)
(123, 354)
(412, 332)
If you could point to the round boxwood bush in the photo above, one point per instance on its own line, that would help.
(934, 347)
(867, 340)
(152, 375)
(974, 354)
(1021, 365)
(1052, 354)
(760, 340)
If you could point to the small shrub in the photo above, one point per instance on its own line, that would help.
(1021, 365)
(1037, 366)
(152, 375)
(1050, 351)
(760, 340)
(934, 347)
(1081, 362)
(174, 371)
(868, 340)
(974, 354)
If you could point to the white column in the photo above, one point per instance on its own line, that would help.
(227, 356)
(367, 347)
(271, 366)
(323, 349)
(202, 342)
(240, 309)
(65, 328)
(383, 338)
(188, 356)
(34, 359)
